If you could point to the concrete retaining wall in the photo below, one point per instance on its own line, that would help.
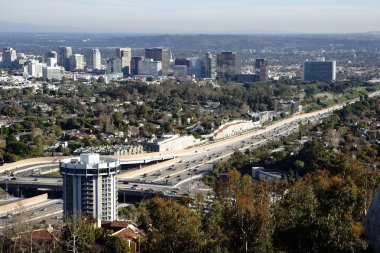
(22, 203)
(147, 169)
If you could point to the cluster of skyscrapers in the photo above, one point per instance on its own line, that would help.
(10, 58)
(155, 62)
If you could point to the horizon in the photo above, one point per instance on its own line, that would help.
(18, 28)
(195, 17)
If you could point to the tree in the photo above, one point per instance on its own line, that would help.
(246, 214)
(174, 228)
(115, 244)
(78, 236)
(118, 120)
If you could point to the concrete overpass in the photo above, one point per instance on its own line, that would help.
(41, 162)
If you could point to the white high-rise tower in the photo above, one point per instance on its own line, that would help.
(90, 186)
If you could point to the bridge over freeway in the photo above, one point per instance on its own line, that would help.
(41, 162)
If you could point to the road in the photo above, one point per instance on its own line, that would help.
(49, 209)
(184, 177)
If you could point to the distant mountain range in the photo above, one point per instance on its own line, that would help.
(27, 27)
(15, 27)
(37, 39)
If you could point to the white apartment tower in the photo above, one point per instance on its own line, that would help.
(34, 68)
(94, 59)
(77, 62)
(90, 186)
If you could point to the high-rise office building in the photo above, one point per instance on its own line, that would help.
(148, 67)
(181, 67)
(34, 68)
(77, 62)
(228, 65)
(159, 54)
(135, 64)
(51, 73)
(113, 66)
(51, 54)
(9, 57)
(64, 54)
(51, 62)
(180, 70)
(90, 186)
(94, 59)
(324, 71)
(194, 67)
(261, 66)
(125, 55)
(209, 66)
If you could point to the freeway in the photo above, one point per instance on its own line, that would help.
(183, 174)
(161, 156)
(48, 209)
(184, 177)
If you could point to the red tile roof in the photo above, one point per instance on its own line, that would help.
(127, 234)
(116, 225)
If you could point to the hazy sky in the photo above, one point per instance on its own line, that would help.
(194, 16)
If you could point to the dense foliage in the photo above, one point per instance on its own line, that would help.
(320, 208)
(141, 110)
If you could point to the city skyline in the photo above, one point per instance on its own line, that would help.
(173, 16)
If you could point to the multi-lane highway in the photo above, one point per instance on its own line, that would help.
(178, 177)
(183, 174)
(46, 210)
(184, 177)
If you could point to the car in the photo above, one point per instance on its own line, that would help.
(125, 182)
(168, 176)
(135, 185)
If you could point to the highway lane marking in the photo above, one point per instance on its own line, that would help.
(33, 219)
(216, 159)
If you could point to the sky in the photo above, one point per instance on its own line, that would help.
(198, 16)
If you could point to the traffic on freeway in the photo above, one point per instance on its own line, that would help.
(184, 177)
